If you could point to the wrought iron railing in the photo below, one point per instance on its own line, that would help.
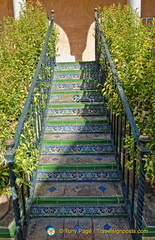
(122, 126)
(147, 20)
(29, 131)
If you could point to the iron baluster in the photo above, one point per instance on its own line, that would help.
(117, 126)
(30, 125)
(128, 172)
(133, 189)
(10, 158)
(127, 127)
(120, 139)
(141, 187)
(124, 151)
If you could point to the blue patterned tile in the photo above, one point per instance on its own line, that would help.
(55, 159)
(46, 228)
(78, 149)
(103, 189)
(76, 175)
(98, 211)
(86, 111)
(75, 86)
(76, 75)
(76, 66)
(77, 159)
(99, 159)
(77, 188)
(84, 97)
(52, 189)
(107, 227)
(78, 227)
(76, 128)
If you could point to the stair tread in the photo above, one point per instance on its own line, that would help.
(80, 189)
(79, 104)
(54, 81)
(76, 118)
(77, 165)
(74, 159)
(87, 136)
(76, 92)
(67, 225)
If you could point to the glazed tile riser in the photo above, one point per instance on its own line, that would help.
(77, 165)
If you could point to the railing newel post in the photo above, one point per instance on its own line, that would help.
(10, 159)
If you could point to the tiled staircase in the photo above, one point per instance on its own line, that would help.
(77, 192)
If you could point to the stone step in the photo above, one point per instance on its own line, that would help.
(76, 136)
(77, 189)
(77, 118)
(76, 104)
(77, 172)
(77, 159)
(67, 66)
(78, 206)
(72, 147)
(82, 228)
(76, 96)
(76, 109)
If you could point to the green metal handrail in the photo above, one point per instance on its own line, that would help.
(123, 124)
(31, 126)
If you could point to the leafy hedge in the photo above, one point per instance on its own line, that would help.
(21, 43)
(132, 46)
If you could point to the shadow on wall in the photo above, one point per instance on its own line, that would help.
(64, 49)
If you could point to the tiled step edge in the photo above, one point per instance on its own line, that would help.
(78, 149)
(8, 232)
(71, 75)
(78, 200)
(82, 172)
(75, 97)
(61, 66)
(81, 206)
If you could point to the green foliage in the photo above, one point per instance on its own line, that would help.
(21, 43)
(27, 155)
(132, 46)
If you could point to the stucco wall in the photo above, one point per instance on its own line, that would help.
(75, 18)
(148, 8)
(6, 9)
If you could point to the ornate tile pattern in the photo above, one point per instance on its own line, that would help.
(92, 97)
(74, 128)
(100, 211)
(78, 149)
(77, 176)
(76, 75)
(76, 86)
(79, 77)
(92, 110)
(76, 66)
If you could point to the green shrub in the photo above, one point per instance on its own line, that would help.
(21, 43)
(132, 46)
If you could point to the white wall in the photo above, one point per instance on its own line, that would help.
(17, 7)
(135, 4)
